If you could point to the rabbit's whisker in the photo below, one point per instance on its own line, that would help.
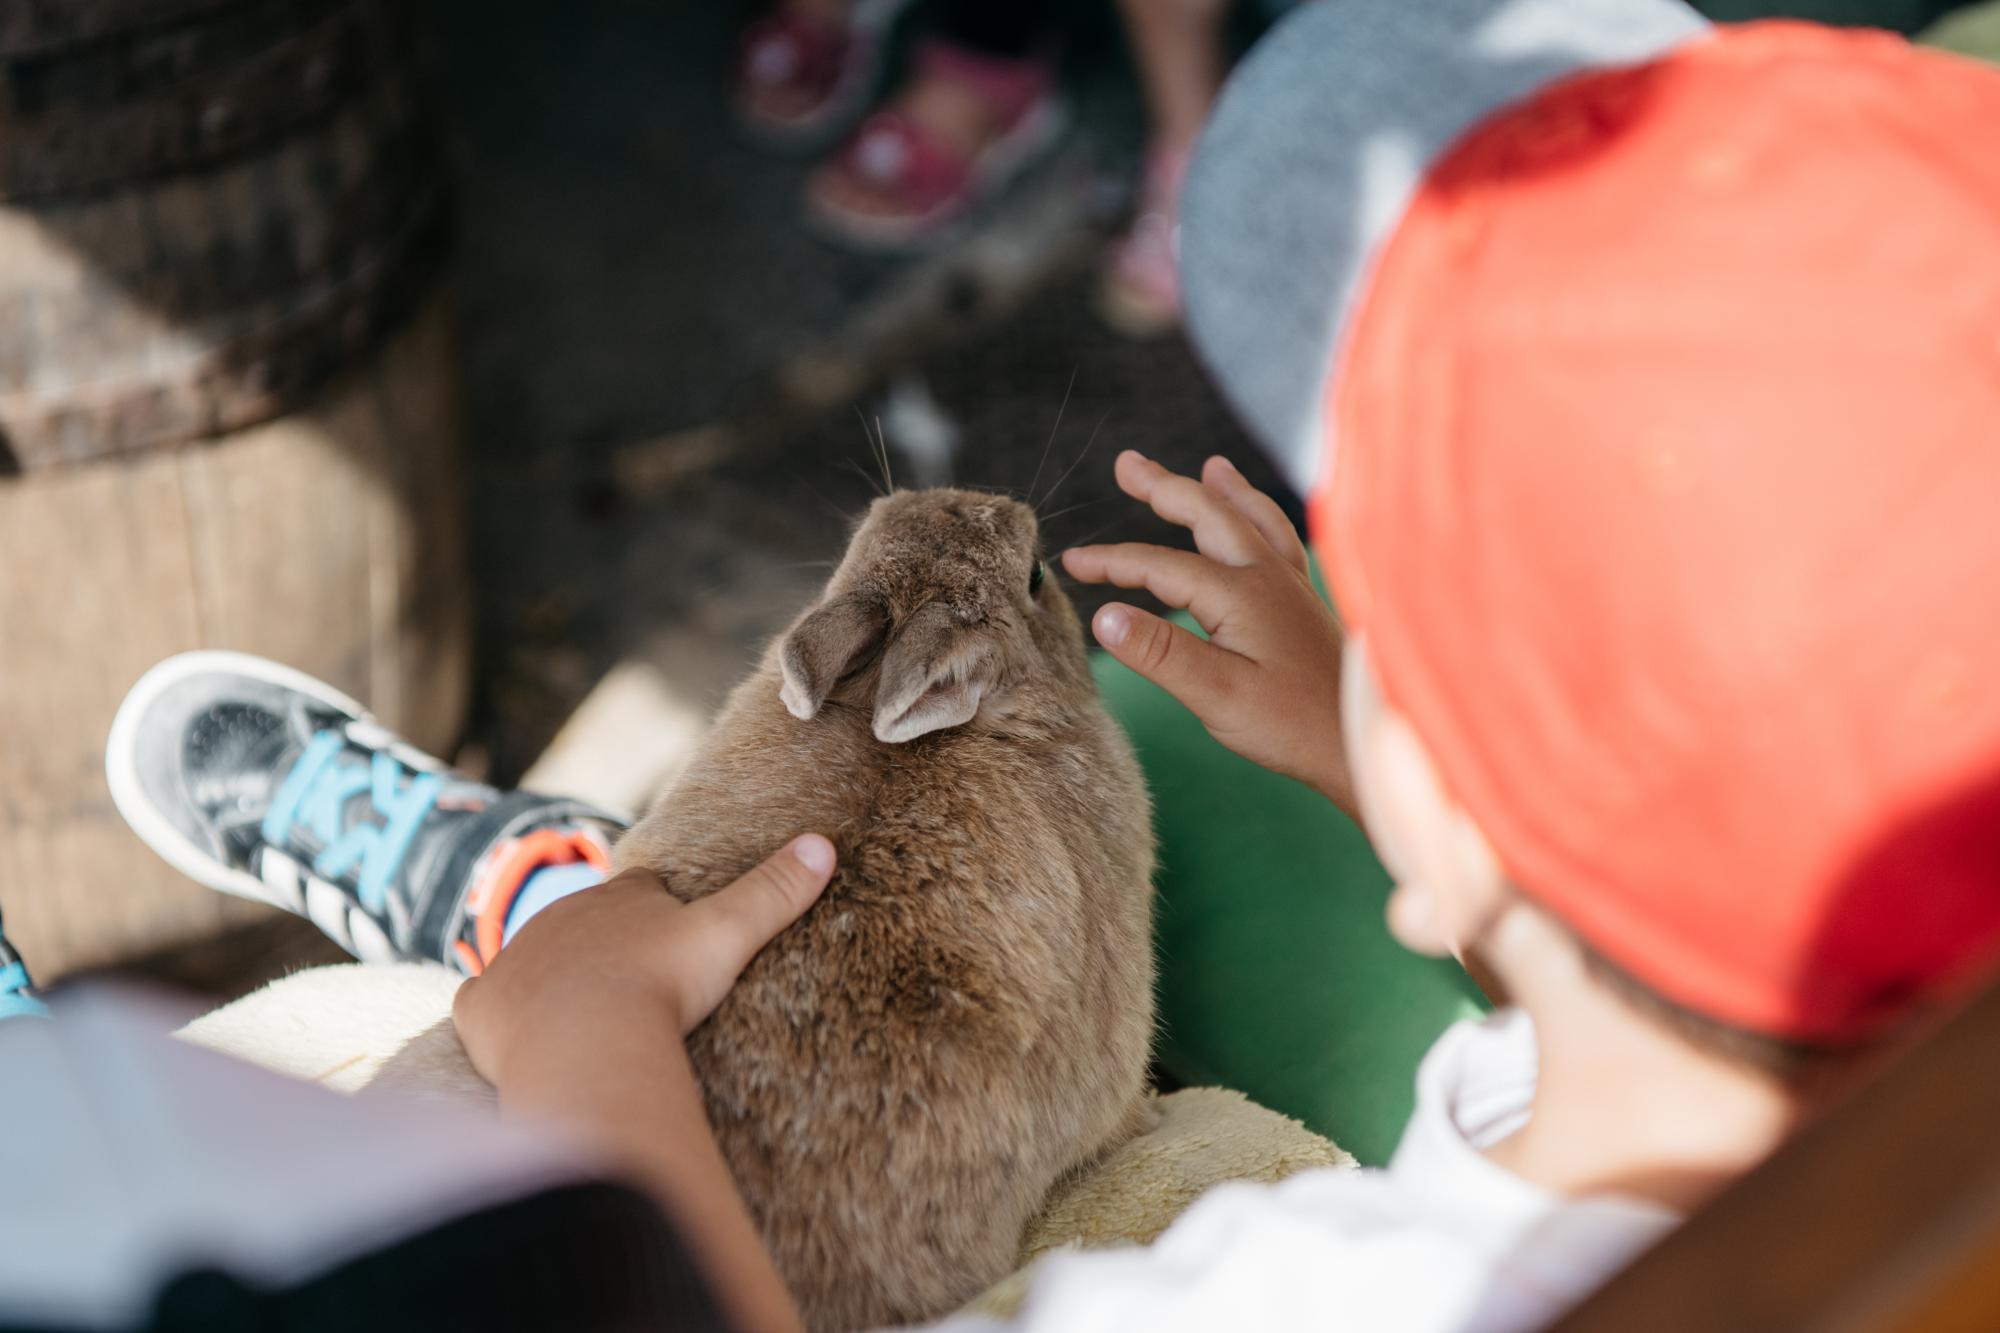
(1070, 471)
(1044, 460)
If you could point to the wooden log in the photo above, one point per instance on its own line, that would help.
(330, 539)
(53, 25)
(211, 276)
(152, 100)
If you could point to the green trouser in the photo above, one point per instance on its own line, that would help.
(1277, 973)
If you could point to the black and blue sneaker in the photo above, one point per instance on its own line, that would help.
(17, 998)
(263, 782)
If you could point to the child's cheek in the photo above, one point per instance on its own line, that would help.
(1416, 922)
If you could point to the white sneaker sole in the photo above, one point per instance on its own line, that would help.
(121, 768)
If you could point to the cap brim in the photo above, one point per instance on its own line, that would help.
(1316, 146)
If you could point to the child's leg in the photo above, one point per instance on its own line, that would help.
(1178, 47)
(259, 781)
(1179, 50)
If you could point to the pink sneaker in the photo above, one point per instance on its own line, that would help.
(801, 79)
(932, 187)
(1140, 295)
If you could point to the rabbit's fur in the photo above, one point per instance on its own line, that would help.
(966, 1014)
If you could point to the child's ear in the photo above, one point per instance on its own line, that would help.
(934, 674)
(835, 638)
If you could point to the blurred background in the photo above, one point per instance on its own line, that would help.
(518, 367)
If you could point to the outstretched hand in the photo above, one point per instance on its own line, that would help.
(1266, 681)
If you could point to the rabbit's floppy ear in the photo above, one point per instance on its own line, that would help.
(837, 637)
(934, 673)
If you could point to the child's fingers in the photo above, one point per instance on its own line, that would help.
(1219, 531)
(738, 921)
(1179, 578)
(1259, 509)
(1186, 666)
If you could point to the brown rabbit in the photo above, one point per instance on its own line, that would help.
(898, 1079)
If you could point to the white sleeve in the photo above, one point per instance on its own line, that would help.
(127, 1155)
(1328, 1250)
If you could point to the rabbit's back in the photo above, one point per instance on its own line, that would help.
(965, 1014)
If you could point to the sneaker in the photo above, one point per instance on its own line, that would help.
(260, 781)
(16, 985)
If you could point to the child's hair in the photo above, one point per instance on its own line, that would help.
(1797, 1065)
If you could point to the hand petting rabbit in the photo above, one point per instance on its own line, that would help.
(966, 1013)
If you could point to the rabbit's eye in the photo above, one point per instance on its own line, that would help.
(1035, 576)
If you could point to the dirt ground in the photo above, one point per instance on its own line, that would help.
(668, 377)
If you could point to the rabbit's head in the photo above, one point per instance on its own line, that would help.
(942, 613)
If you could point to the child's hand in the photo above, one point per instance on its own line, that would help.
(580, 1021)
(628, 951)
(1267, 682)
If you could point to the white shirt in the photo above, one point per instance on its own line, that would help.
(1442, 1239)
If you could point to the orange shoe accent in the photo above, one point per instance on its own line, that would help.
(493, 896)
(595, 850)
(470, 957)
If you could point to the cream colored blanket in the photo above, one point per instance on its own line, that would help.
(373, 1029)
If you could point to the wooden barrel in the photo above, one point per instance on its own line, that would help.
(147, 99)
(187, 252)
(228, 414)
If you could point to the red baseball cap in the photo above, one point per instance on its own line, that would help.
(1668, 501)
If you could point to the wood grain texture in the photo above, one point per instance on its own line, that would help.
(330, 539)
(153, 99)
(201, 226)
(28, 26)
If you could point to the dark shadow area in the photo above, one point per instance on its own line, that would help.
(670, 380)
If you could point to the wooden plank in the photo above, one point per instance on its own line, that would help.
(99, 587)
(161, 309)
(331, 540)
(1883, 1215)
(280, 525)
(181, 98)
(421, 671)
(26, 28)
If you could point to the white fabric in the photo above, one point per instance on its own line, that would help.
(126, 1158)
(1442, 1239)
